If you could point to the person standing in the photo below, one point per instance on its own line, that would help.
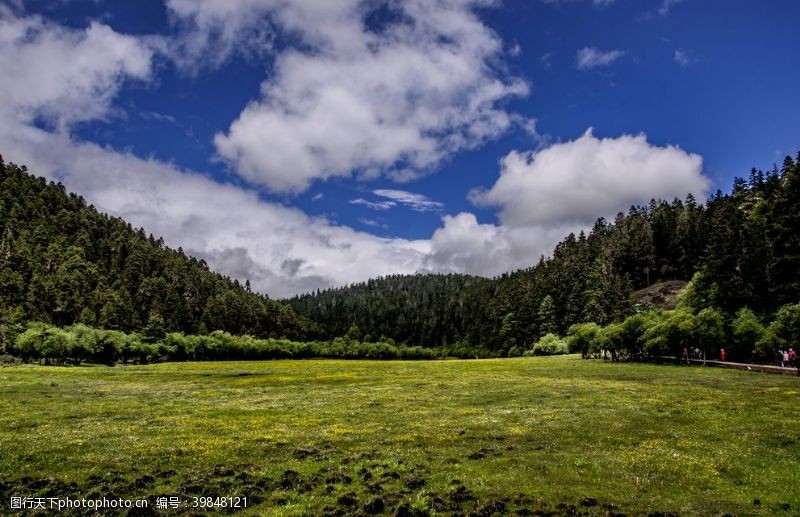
(722, 354)
(785, 358)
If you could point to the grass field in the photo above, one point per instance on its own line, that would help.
(556, 435)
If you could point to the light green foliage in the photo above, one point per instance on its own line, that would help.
(709, 330)
(80, 343)
(786, 325)
(549, 344)
(633, 331)
(767, 347)
(612, 339)
(746, 330)
(582, 338)
(688, 298)
(671, 335)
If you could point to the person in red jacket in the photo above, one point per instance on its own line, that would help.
(722, 354)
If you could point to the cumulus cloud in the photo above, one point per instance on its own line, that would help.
(578, 181)
(463, 245)
(281, 250)
(351, 95)
(544, 195)
(540, 195)
(591, 57)
(62, 76)
(212, 31)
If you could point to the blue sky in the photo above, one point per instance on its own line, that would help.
(308, 113)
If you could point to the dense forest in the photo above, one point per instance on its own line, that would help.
(84, 277)
(62, 262)
(741, 249)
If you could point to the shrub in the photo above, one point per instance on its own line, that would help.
(611, 338)
(786, 325)
(747, 330)
(549, 344)
(670, 336)
(515, 351)
(9, 360)
(709, 330)
(582, 337)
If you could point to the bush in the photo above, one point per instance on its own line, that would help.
(549, 344)
(672, 335)
(632, 340)
(82, 343)
(9, 360)
(747, 330)
(709, 330)
(515, 351)
(786, 325)
(612, 339)
(582, 337)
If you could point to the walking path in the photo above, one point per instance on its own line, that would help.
(741, 366)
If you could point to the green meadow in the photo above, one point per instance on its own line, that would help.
(554, 435)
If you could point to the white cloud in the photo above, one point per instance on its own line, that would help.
(583, 179)
(682, 58)
(666, 5)
(212, 31)
(463, 245)
(281, 250)
(541, 195)
(375, 205)
(64, 76)
(394, 197)
(412, 200)
(545, 60)
(546, 194)
(394, 100)
(373, 223)
(590, 57)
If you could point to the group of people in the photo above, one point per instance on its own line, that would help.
(786, 358)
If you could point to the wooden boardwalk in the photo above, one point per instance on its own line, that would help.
(737, 366)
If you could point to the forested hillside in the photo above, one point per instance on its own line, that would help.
(62, 262)
(437, 310)
(742, 249)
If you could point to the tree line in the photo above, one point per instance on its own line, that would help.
(68, 267)
(741, 250)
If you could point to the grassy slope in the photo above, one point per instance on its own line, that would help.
(541, 431)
